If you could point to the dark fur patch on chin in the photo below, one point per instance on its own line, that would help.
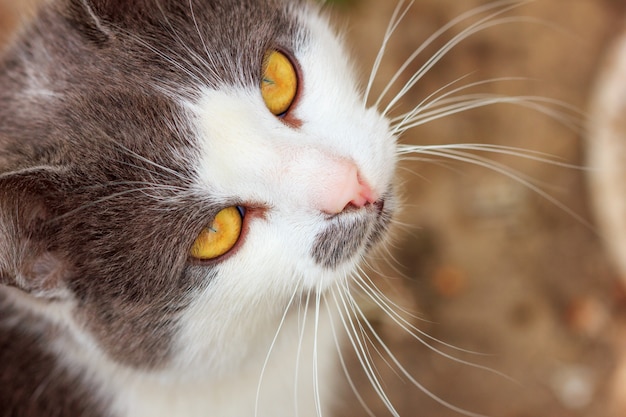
(350, 234)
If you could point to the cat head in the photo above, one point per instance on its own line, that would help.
(156, 184)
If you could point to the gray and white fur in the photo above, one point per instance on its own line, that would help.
(124, 128)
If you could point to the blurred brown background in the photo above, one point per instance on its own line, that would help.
(490, 265)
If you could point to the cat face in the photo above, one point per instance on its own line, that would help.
(116, 161)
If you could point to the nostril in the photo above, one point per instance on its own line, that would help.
(363, 194)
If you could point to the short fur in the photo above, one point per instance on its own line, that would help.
(124, 128)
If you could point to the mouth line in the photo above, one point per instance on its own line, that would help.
(378, 207)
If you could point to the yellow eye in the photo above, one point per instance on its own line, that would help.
(220, 237)
(279, 84)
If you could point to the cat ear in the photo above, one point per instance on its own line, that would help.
(27, 257)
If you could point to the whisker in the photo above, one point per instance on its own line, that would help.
(146, 184)
(359, 350)
(361, 273)
(200, 78)
(407, 374)
(433, 161)
(438, 99)
(269, 353)
(152, 173)
(142, 158)
(457, 155)
(385, 304)
(204, 45)
(316, 385)
(465, 16)
(431, 62)
(524, 153)
(417, 334)
(98, 201)
(342, 362)
(368, 342)
(430, 100)
(396, 18)
(302, 325)
(509, 173)
(388, 257)
(435, 97)
(461, 104)
(197, 59)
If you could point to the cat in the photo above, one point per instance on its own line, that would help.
(184, 185)
(189, 188)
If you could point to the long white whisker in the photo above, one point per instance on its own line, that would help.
(510, 173)
(361, 352)
(146, 184)
(528, 154)
(185, 45)
(396, 18)
(482, 25)
(342, 362)
(417, 333)
(186, 69)
(436, 99)
(368, 342)
(142, 158)
(316, 382)
(151, 172)
(433, 98)
(204, 45)
(101, 200)
(407, 374)
(269, 353)
(465, 16)
(391, 260)
(469, 102)
(304, 314)
(457, 155)
(390, 303)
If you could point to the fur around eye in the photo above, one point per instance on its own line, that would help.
(279, 82)
(220, 236)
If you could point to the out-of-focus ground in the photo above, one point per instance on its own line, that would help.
(491, 265)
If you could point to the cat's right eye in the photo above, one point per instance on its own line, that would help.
(220, 236)
(279, 83)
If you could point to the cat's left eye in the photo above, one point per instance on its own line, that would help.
(220, 236)
(279, 83)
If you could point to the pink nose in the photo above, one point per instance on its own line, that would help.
(345, 187)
